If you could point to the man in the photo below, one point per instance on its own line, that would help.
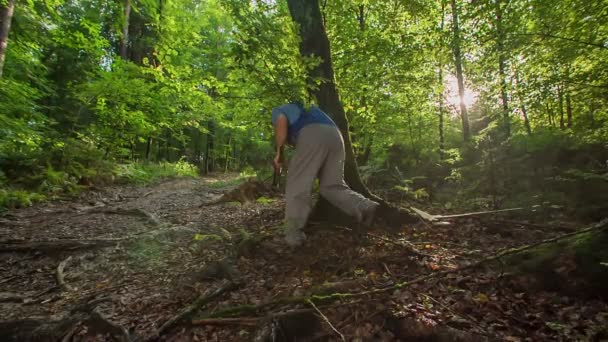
(319, 153)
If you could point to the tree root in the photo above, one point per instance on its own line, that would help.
(59, 276)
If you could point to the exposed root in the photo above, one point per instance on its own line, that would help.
(59, 276)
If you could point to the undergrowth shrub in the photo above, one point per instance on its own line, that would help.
(145, 173)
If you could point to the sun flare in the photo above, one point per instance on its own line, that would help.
(451, 93)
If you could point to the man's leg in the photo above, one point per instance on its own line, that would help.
(303, 170)
(333, 187)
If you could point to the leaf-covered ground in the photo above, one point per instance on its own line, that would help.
(161, 250)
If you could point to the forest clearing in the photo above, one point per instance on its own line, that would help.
(303, 170)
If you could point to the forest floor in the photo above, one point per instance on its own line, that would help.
(143, 254)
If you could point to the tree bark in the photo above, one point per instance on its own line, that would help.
(124, 41)
(466, 130)
(6, 17)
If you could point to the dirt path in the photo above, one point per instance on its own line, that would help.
(153, 250)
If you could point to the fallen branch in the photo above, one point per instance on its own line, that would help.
(200, 302)
(430, 217)
(59, 276)
(311, 303)
(246, 321)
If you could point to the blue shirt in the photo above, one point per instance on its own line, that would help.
(291, 111)
(299, 118)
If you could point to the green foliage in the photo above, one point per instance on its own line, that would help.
(144, 173)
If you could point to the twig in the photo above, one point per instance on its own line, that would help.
(326, 320)
(403, 243)
(246, 321)
(60, 276)
(201, 301)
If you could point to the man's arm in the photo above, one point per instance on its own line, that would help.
(280, 134)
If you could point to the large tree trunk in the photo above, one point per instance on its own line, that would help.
(6, 16)
(314, 42)
(466, 130)
(307, 14)
(124, 41)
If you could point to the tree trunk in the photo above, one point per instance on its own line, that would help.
(568, 110)
(440, 80)
(501, 68)
(148, 148)
(560, 97)
(522, 105)
(466, 130)
(6, 17)
(209, 148)
(124, 41)
(307, 14)
(549, 114)
(314, 42)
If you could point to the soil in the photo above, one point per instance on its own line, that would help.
(151, 251)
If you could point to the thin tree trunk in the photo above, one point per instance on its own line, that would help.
(466, 130)
(560, 96)
(148, 148)
(522, 105)
(549, 114)
(6, 17)
(227, 154)
(314, 42)
(209, 152)
(568, 110)
(501, 68)
(440, 76)
(124, 41)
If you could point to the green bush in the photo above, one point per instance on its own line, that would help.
(144, 173)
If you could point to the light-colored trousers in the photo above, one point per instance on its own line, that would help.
(319, 154)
